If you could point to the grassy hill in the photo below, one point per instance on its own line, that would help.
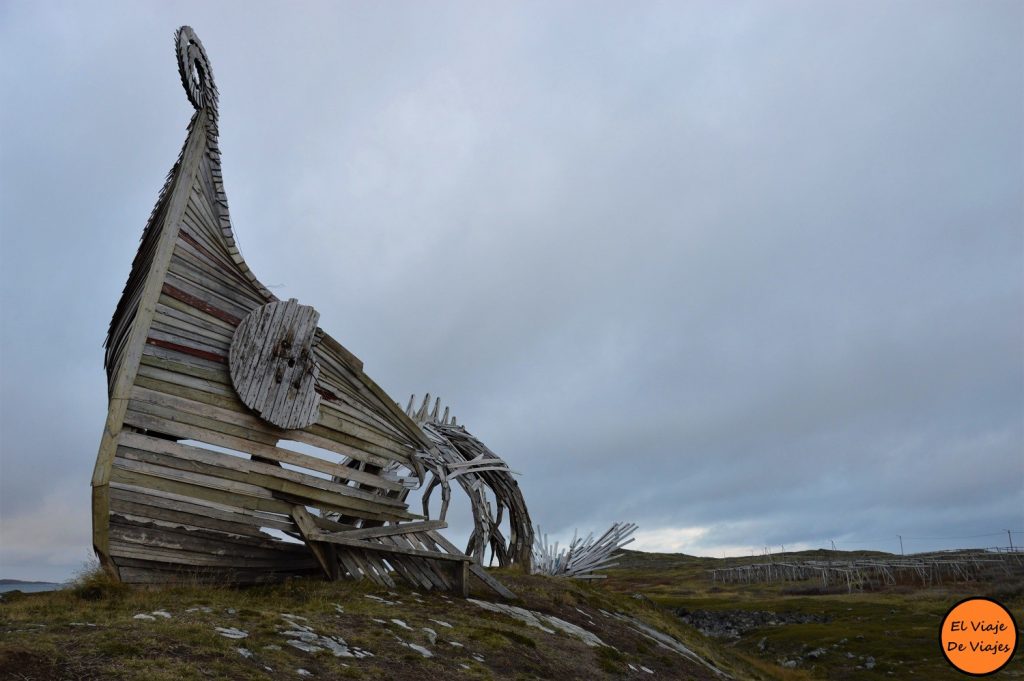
(799, 630)
(645, 621)
(100, 630)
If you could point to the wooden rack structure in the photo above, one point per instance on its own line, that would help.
(208, 373)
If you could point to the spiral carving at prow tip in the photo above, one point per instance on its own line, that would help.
(194, 67)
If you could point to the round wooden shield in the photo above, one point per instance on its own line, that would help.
(272, 364)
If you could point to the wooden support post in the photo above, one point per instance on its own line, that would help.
(462, 578)
(307, 528)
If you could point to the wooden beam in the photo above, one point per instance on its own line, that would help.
(341, 539)
(307, 528)
(404, 528)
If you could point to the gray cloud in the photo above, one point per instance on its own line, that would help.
(744, 274)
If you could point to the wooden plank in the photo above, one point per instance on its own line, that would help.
(209, 278)
(147, 370)
(249, 484)
(197, 491)
(412, 571)
(377, 564)
(476, 569)
(248, 466)
(420, 569)
(184, 292)
(172, 315)
(128, 363)
(159, 515)
(283, 455)
(335, 538)
(174, 331)
(209, 507)
(192, 526)
(350, 565)
(307, 527)
(404, 528)
(186, 431)
(162, 413)
(349, 426)
(461, 578)
(176, 557)
(212, 543)
(190, 348)
(194, 312)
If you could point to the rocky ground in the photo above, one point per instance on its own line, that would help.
(655, 616)
(558, 629)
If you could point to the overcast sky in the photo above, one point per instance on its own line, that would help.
(744, 274)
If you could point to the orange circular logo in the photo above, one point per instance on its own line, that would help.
(979, 636)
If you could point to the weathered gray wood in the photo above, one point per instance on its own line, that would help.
(277, 453)
(196, 346)
(478, 570)
(461, 576)
(191, 506)
(336, 538)
(264, 475)
(272, 363)
(404, 528)
(307, 528)
(135, 338)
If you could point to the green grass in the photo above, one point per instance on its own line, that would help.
(40, 636)
(897, 626)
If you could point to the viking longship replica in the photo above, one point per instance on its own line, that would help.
(210, 379)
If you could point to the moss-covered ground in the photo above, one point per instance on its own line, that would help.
(888, 632)
(90, 632)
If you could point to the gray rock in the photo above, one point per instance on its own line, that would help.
(420, 649)
(231, 632)
(305, 647)
(542, 621)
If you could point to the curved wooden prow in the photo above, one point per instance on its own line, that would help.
(189, 480)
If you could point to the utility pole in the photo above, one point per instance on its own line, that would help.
(1010, 536)
(901, 543)
(833, 544)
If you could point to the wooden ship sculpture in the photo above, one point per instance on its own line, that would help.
(210, 376)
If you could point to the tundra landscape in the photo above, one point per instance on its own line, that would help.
(655, 616)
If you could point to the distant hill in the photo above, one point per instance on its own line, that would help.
(8, 582)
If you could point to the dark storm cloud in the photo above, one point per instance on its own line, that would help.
(746, 275)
